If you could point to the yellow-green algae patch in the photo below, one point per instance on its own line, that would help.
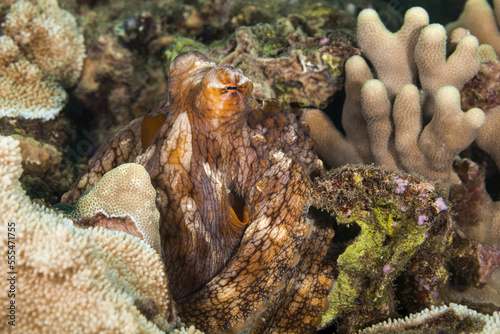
(399, 217)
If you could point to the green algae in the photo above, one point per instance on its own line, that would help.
(396, 214)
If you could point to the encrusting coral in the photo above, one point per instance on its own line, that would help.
(295, 68)
(233, 188)
(41, 53)
(418, 131)
(71, 279)
(124, 190)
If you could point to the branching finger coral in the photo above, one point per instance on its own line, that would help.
(481, 20)
(419, 131)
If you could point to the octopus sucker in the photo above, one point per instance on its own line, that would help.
(278, 287)
(326, 304)
(233, 191)
(295, 260)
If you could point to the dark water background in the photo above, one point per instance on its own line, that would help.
(440, 11)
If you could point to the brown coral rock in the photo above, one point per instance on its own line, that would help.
(299, 70)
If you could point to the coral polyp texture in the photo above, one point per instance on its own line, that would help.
(72, 279)
(410, 129)
(233, 190)
(124, 190)
(437, 319)
(41, 53)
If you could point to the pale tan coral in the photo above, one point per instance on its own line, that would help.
(323, 136)
(124, 191)
(25, 91)
(481, 20)
(436, 71)
(398, 68)
(49, 38)
(489, 135)
(431, 151)
(415, 131)
(357, 73)
(444, 318)
(74, 280)
(41, 51)
(484, 89)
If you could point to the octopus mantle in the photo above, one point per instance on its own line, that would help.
(233, 191)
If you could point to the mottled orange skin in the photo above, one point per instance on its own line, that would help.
(233, 190)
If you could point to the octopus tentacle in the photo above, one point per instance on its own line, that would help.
(276, 230)
(300, 304)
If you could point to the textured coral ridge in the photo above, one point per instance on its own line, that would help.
(233, 190)
(439, 319)
(124, 190)
(74, 280)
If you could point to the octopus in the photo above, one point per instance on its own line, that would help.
(232, 177)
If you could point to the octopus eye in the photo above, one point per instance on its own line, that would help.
(232, 88)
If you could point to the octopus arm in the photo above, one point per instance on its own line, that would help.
(271, 245)
(298, 306)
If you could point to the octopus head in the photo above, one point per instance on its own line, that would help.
(220, 94)
(224, 94)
